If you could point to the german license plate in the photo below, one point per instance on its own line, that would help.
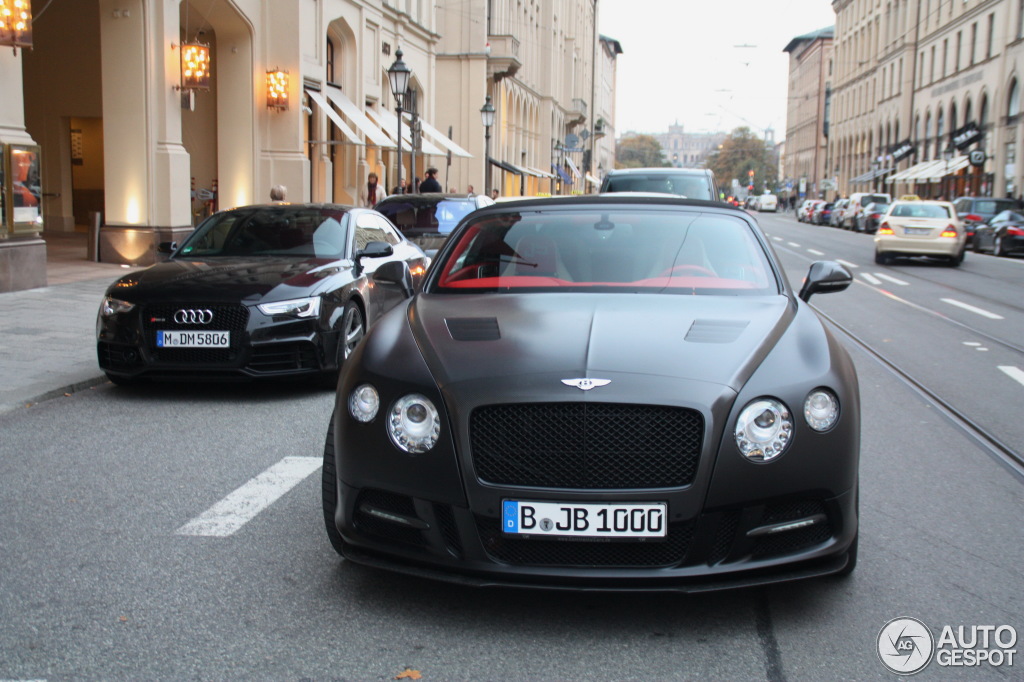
(559, 519)
(179, 339)
(917, 230)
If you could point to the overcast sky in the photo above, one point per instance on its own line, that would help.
(679, 62)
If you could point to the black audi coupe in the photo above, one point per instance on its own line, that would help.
(278, 290)
(605, 392)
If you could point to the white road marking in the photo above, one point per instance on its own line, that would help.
(1014, 373)
(778, 239)
(890, 278)
(815, 252)
(794, 245)
(971, 308)
(847, 263)
(971, 343)
(870, 279)
(241, 506)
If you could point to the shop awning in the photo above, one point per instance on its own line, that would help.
(907, 174)
(322, 102)
(948, 168)
(871, 175)
(540, 173)
(561, 173)
(389, 123)
(572, 167)
(505, 166)
(863, 177)
(441, 140)
(592, 180)
(358, 118)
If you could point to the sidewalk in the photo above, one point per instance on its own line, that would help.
(48, 335)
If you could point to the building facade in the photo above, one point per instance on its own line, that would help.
(687, 150)
(920, 84)
(103, 125)
(805, 161)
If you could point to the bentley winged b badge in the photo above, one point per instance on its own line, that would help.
(586, 384)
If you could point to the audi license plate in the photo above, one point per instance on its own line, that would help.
(176, 339)
(613, 521)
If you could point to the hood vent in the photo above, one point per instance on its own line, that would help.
(715, 331)
(473, 328)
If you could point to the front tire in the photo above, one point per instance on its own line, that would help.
(329, 490)
(353, 329)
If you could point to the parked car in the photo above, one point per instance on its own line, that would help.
(822, 213)
(838, 210)
(282, 290)
(585, 387)
(1003, 235)
(871, 216)
(428, 219)
(805, 213)
(692, 183)
(975, 210)
(920, 228)
(858, 200)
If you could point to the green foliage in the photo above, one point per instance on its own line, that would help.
(638, 151)
(740, 153)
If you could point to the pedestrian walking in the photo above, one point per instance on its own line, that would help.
(430, 184)
(374, 192)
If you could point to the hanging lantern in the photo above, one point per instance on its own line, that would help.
(277, 89)
(16, 23)
(195, 66)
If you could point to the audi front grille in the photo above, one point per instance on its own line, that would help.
(586, 445)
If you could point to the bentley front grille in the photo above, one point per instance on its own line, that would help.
(586, 445)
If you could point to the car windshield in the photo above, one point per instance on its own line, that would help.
(269, 231)
(690, 186)
(992, 206)
(415, 217)
(873, 199)
(1008, 217)
(618, 249)
(919, 210)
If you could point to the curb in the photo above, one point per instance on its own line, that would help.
(76, 387)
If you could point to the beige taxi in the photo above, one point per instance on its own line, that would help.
(921, 228)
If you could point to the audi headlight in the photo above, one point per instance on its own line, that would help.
(764, 430)
(113, 306)
(821, 409)
(298, 307)
(414, 423)
(364, 403)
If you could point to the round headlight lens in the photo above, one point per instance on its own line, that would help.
(821, 409)
(764, 430)
(364, 403)
(414, 423)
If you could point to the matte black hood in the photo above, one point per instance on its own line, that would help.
(714, 339)
(251, 280)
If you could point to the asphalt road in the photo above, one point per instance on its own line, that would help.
(98, 582)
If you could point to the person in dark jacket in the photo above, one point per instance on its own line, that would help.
(430, 184)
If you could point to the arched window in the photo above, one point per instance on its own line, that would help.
(939, 129)
(330, 62)
(1013, 103)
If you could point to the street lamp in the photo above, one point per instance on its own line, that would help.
(399, 75)
(487, 117)
(947, 156)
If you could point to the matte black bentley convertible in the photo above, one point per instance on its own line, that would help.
(600, 392)
(259, 291)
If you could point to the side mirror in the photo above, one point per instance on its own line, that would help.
(825, 277)
(373, 250)
(395, 272)
(167, 247)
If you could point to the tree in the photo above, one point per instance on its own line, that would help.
(740, 153)
(638, 151)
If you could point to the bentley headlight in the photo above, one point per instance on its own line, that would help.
(414, 423)
(821, 409)
(298, 307)
(764, 430)
(364, 403)
(112, 306)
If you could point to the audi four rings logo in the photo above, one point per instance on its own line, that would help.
(193, 316)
